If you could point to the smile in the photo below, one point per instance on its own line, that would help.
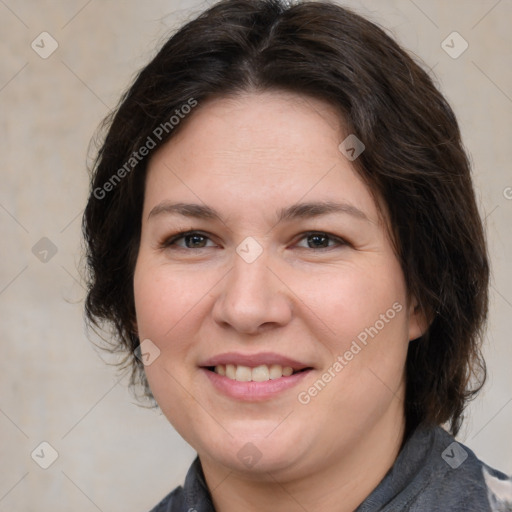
(259, 373)
(253, 391)
(253, 377)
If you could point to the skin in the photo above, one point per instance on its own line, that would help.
(248, 156)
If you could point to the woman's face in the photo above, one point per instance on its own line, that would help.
(275, 279)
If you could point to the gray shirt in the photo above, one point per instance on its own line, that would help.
(432, 472)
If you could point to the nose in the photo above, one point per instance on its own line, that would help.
(253, 297)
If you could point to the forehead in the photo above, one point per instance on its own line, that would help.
(257, 151)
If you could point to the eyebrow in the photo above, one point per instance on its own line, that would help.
(295, 211)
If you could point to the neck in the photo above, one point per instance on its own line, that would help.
(341, 481)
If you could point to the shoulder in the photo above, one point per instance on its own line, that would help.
(171, 503)
(499, 489)
(459, 480)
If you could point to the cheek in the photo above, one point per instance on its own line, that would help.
(366, 314)
(159, 306)
(169, 303)
(159, 310)
(163, 298)
(350, 300)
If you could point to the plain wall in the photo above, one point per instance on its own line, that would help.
(113, 455)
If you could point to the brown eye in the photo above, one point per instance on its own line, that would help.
(191, 240)
(320, 240)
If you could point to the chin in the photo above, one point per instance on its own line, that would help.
(254, 451)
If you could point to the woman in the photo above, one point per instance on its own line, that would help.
(283, 232)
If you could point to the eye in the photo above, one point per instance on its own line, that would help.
(198, 240)
(191, 240)
(320, 240)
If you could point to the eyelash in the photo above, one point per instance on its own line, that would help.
(169, 242)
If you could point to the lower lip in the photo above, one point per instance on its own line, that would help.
(254, 391)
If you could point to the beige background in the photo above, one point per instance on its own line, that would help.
(113, 455)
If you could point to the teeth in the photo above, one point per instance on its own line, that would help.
(260, 373)
(287, 371)
(276, 371)
(243, 373)
(230, 371)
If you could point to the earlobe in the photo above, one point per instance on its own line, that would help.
(419, 320)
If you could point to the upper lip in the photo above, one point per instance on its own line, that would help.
(253, 360)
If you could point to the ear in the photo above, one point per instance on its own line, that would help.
(419, 320)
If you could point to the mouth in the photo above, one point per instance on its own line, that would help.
(253, 377)
(260, 373)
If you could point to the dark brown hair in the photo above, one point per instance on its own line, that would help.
(414, 162)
